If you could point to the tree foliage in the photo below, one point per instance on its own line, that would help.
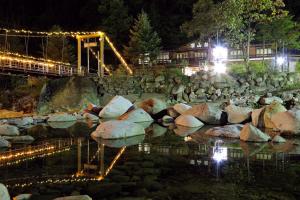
(58, 48)
(144, 41)
(283, 31)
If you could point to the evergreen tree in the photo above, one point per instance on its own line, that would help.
(58, 48)
(144, 42)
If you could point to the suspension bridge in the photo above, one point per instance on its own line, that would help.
(94, 43)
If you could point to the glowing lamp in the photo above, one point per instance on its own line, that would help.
(220, 53)
(280, 60)
(219, 68)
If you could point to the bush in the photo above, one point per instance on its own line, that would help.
(237, 68)
(257, 67)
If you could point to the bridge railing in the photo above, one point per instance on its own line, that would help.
(11, 63)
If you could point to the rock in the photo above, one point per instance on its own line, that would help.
(287, 122)
(172, 112)
(4, 143)
(278, 139)
(19, 139)
(4, 195)
(269, 100)
(118, 129)
(91, 117)
(158, 130)
(23, 197)
(67, 94)
(230, 131)
(61, 117)
(152, 105)
(257, 116)
(20, 122)
(39, 119)
(237, 114)
(188, 121)
(209, 113)
(270, 111)
(181, 107)
(9, 130)
(80, 197)
(178, 89)
(159, 79)
(115, 108)
(167, 119)
(137, 115)
(250, 133)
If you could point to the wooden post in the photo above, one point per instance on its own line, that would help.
(88, 57)
(102, 55)
(79, 155)
(78, 55)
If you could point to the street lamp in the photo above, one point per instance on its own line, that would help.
(280, 60)
(220, 56)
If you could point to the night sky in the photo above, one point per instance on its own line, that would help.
(166, 15)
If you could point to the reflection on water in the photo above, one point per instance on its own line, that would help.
(158, 165)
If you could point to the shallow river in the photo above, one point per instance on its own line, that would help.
(163, 164)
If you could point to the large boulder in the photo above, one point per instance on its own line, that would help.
(4, 195)
(237, 114)
(79, 197)
(188, 121)
(91, 117)
(209, 113)
(118, 129)
(4, 143)
(230, 131)
(257, 116)
(61, 117)
(137, 115)
(9, 130)
(122, 142)
(181, 107)
(67, 94)
(115, 108)
(270, 111)
(185, 131)
(250, 133)
(287, 122)
(152, 105)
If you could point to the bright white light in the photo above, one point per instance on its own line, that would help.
(206, 68)
(219, 153)
(219, 68)
(280, 60)
(220, 53)
(188, 71)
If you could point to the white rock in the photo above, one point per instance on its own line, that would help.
(137, 115)
(91, 117)
(188, 121)
(237, 114)
(79, 197)
(287, 122)
(230, 131)
(4, 195)
(19, 139)
(118, 129)
(122, 142)
(61, 117)
(250, 133)
(270, 111)
(209, 113)
(4, 143)
(158, 130)
(181, 107)
(278, 139)
(23, 197)
(270, 100)
(21, 121)
(256, 115)
(153, 105)
(9, 130)
(115, 108)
